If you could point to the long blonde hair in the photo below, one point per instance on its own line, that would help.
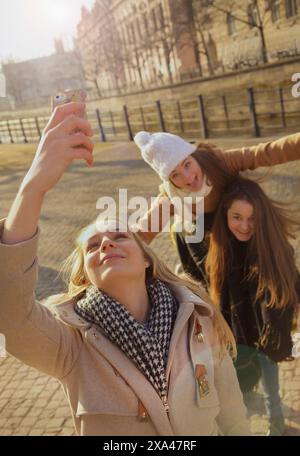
(73, 273)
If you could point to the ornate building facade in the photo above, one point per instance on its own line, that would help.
(127, 45)
(130, 45)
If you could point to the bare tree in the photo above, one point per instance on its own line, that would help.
(254, 14)
(188, 20)
(91, 61)
(143, 45)
(168, 40)
(13, 87)
(164, 37)
(135, 48)
(202, 20)
(101, 50)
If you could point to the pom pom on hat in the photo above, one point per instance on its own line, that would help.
(163, 151)
(142, 139)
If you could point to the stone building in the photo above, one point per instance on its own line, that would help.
(31, 83)
(249, 33)
(129, 45)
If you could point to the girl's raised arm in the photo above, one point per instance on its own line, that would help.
(59, 146)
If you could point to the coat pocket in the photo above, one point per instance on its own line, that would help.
(110, 395)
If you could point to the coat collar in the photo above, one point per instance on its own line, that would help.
(65, 311)
(126, 368)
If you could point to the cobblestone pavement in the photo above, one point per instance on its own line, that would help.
(34, 404)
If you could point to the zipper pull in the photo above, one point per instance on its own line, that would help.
(199, 332)
(165, 403)
(201, 376)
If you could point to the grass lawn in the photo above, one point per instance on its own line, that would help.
(14, 156)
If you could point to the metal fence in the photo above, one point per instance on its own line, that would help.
(244, 112)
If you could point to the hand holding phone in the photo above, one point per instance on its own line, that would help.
(69, 96)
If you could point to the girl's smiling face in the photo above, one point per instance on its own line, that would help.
(240, 220)
(187, 175)
(112, 255)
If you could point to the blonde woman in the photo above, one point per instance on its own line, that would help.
(137, 350)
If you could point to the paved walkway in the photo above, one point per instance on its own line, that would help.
(34, 404)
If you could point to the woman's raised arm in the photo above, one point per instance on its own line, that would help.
(33, 334)
(282, 150)
(58, 147)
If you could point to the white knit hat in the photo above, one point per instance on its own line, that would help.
(163, 151)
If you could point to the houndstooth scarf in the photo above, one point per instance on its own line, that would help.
(146, 344)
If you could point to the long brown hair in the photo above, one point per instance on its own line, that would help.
(274, 267)
(212, 166)
(73, 272)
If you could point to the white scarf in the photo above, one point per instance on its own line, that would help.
(173, 191)
(169, 188)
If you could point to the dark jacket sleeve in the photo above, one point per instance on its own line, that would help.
(193, 255)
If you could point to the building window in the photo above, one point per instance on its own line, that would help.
(133, 33)
(291, 8)
(146, 26)
(129, 34)
(231, 24)
(252, 15)
(154, 22)
(138, 28)
(161, 16)
(275, 10)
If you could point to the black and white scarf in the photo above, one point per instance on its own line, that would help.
(146, 344)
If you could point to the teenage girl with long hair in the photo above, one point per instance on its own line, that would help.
(253, 278)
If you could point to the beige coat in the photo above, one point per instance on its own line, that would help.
(107, 393)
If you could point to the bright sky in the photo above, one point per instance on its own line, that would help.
(28, 27)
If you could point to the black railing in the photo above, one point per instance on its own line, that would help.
(245, 112)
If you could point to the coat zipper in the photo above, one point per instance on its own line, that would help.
(165, 403)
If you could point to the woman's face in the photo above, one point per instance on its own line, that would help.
(111, 256)
(240, 220)
(187, 175)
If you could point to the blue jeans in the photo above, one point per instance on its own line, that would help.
(270, 382)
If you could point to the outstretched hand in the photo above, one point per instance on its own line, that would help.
(61, 143)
